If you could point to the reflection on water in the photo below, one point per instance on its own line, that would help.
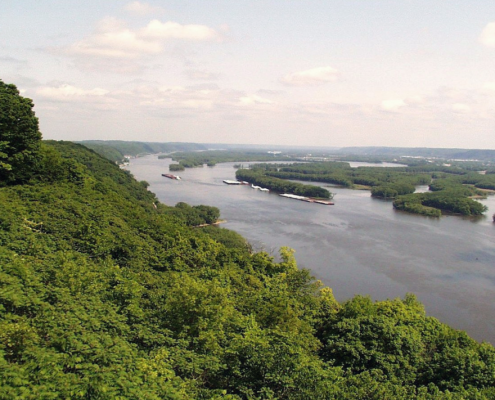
(360, 245)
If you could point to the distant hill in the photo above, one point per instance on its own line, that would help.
(115, 150)
(443, 153)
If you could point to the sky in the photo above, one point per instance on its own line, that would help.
(333, 73)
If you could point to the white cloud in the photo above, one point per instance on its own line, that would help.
(123, 44)
(200, 75)
(490, 86)
(112, 39)
(173, 30)
(392, 104)
(254, 99)
(178, 97)
(195, 100)
(139, 8)
(414, 100)
(68, 93)
(487, 36)
(314, 76)
(324, 109)
(461, 108)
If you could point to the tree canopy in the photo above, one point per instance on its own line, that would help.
(20, 137)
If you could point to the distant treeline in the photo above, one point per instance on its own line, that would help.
(440, 153)
(116, 150)
(212, 157)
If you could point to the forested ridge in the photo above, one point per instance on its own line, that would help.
(117, 150)
(105, 293)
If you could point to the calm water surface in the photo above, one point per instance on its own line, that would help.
(361, 245)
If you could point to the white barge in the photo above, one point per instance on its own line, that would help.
(307, 199)
(229, 182)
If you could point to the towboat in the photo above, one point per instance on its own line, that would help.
(170, 176)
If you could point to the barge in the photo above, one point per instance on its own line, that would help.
(229, 182)
(170, 176)
(307, 199)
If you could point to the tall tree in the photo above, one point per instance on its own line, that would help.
(20, 138)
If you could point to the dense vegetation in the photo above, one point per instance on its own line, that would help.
(107, 294)
(19, 136)
(431, 204)
(176, 167)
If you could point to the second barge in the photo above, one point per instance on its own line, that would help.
(307, 199)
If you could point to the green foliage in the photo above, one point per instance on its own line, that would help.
(392, 190)
(396, 339)
(445, 200)
(467, 184)
(20, 137)
(54, 168)
(455, 204)
(413, 205)
(195, 215)
(228, 238)
(176, 167)
(106, 151)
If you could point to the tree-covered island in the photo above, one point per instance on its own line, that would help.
(257, 177)
(105, 293)
(452, 188)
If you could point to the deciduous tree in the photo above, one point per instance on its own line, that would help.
(20, 137)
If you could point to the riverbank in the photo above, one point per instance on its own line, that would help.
(216, 223)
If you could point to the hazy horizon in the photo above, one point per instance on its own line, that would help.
(338, 73)
(265, 146)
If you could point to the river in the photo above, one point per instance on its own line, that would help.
(361, 245)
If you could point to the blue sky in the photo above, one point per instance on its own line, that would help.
(328, 73)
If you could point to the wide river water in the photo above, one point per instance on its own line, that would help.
(360, 245)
